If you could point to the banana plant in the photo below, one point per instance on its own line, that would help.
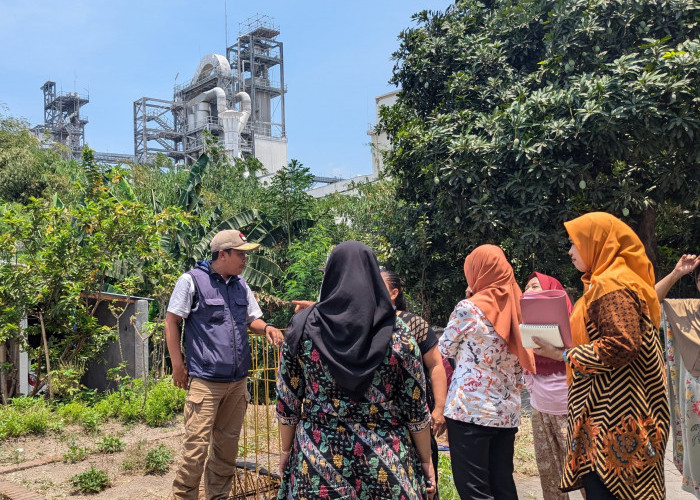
(191, 242)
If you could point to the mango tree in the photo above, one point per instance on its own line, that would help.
(516, 115)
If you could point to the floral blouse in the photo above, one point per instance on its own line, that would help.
(487, 381)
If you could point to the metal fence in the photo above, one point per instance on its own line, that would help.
(259, 446)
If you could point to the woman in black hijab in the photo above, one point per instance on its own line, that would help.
(351, 392)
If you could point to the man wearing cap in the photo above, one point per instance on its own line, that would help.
(219, 307)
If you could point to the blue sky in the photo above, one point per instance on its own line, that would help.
(337, 60)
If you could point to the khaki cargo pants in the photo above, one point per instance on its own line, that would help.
(214, 414)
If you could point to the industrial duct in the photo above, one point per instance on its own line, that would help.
(200, 108)
(233, 123)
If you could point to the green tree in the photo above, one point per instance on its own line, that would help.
(189, 242)
(158, 184)
(22, 162)
(364, 215)
(516, 115)
(234, 186)
(302, 280)
(58, 261)
(287, 201)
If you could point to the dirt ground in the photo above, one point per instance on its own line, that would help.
(257, 445)
(52, 480)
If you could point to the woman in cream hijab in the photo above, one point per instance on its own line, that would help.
(618, 414)
(681, 324)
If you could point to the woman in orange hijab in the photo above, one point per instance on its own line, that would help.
(483, 409)
(618, 415)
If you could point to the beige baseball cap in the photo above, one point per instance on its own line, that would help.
(231, 238)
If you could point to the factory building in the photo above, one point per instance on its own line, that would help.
(237, 98)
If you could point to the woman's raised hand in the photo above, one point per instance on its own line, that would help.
(687, 264)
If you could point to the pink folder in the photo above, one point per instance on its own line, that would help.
(547, 307)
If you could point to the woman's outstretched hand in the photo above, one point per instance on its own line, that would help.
(302, 304)
(687, 264)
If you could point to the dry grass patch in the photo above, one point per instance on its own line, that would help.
(524, 457)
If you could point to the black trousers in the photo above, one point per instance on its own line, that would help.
(482, 461)
(595, 488)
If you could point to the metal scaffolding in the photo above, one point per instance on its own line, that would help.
(157, 129)
(193, 130)
(258, 60)
(62, 120)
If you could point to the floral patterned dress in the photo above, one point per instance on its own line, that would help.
(684, 396)
(345, 448)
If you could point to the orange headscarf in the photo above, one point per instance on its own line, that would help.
(616, 259)
(497, 294)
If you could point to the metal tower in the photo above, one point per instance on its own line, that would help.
(258, 60)
(209, 75)
(62, 120)
(157, 129)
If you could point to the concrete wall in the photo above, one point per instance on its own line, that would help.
(380, 142)
(134, 349)
(345, 186)
(272, 153)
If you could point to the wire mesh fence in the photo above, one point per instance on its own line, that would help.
(259, 446)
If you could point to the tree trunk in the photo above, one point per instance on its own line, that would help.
(46, 355)
(646, 230)
(3, 375)
(14, 356)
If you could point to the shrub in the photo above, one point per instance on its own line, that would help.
(110, 444)
(91, 481)
(75, 454)
(130, 411)
(135, 457)
(72, 412)
(65, 381)
(26, 403)
(24, 416)
(37, 421)
(55, 424)
(163, 402)
(446, 485)
(158, 460)
(76, 412)
(91, 420)
(108, 407)
(154, 461)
